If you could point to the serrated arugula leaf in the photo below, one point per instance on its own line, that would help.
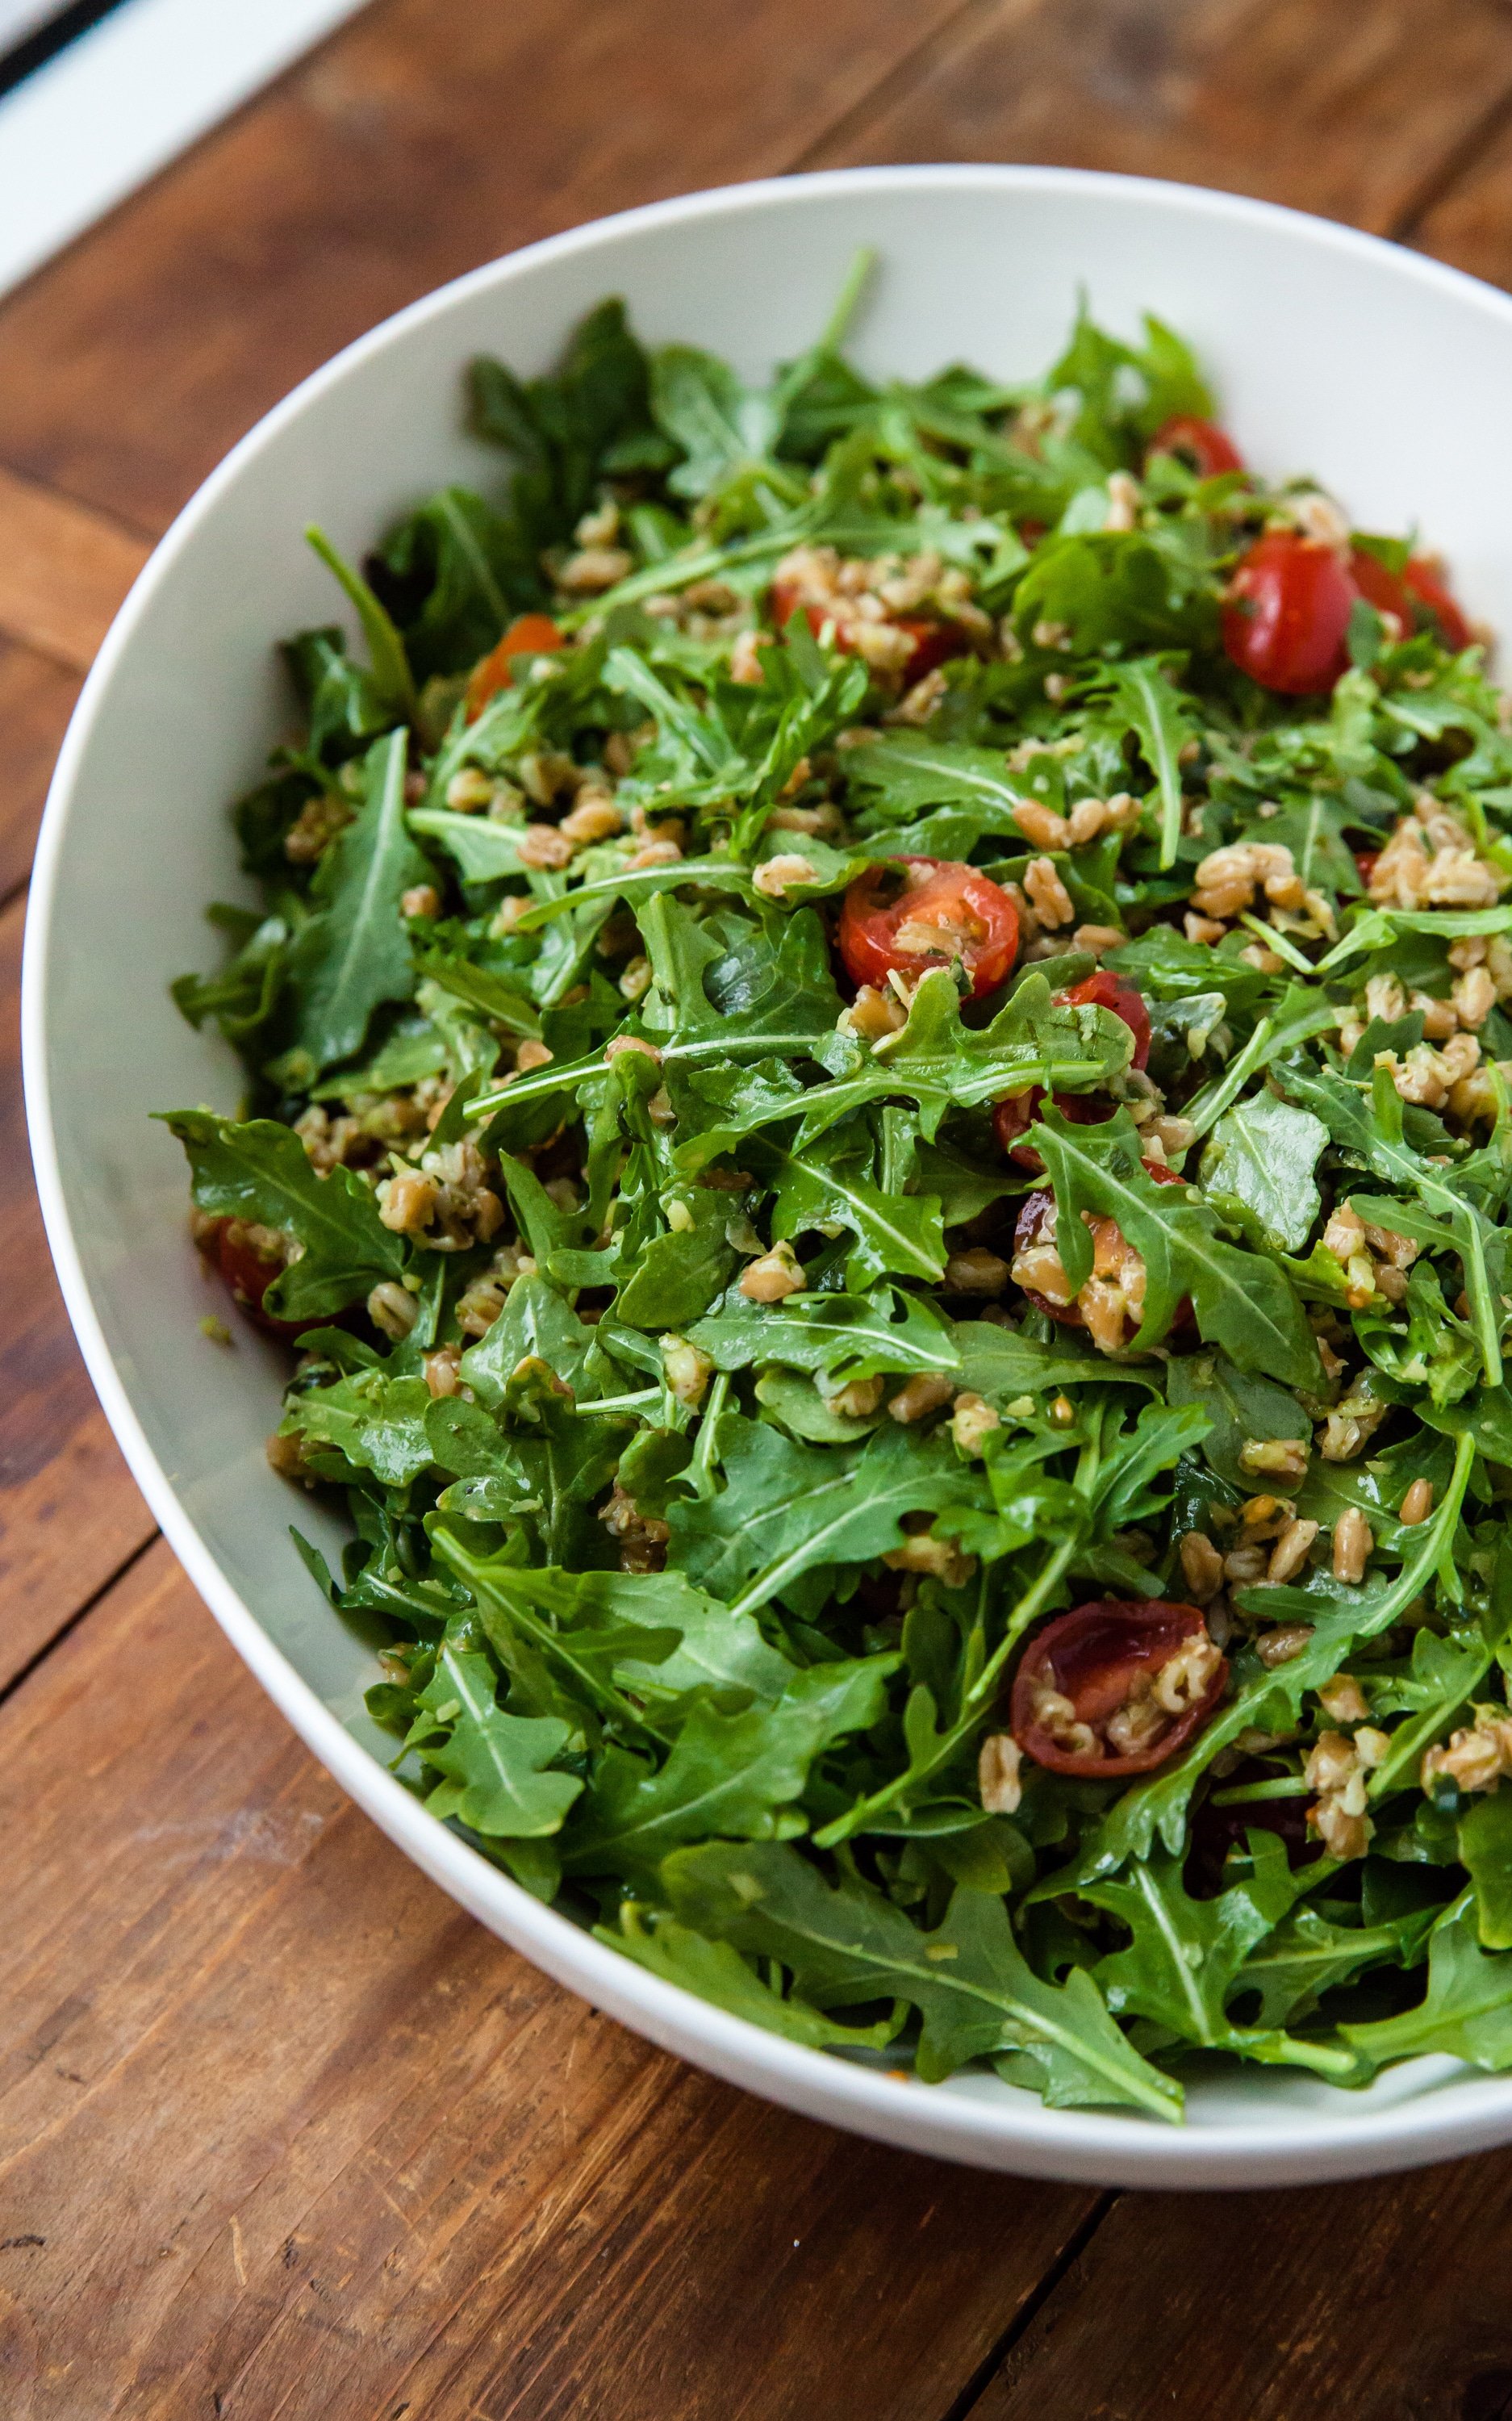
(786, 1507)
(1186, 1956)
(259, 1172)
(354, 953)
(833, 1185)
(726, 1775)
(975, 1993)
(1466, 2011)
(1309, 1953)
(908, 771)
(841, 1336)
(378, 1423)
(1241, 1300)
(717, 1973)
(492, 1764)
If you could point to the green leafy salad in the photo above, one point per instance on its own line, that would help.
(876, 1119)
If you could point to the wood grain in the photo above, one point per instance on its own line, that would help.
(1384, 2300)
(35, 699)
(63, 571)
(428, 137)
(284, 2133)
(69, 1512)
(1349, 107)
(1469, 224)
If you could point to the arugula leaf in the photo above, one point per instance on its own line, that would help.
(354, 953)
(974, 1992)
(786, 1508)
(726, 1775)
(838, 1337)
(1466, 2011)
(259, 1172)
(1486, 1853)
(1239, 1299)
(1187, 1955)
(1263, 1154)
(492, 1764)
(717, 1973)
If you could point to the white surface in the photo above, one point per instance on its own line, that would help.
(1383, 372)
(21, 17)
(78, 135)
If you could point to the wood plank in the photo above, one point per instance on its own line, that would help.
(423, 139)
(36, 701)
(63, 571)
(284, 2133)
(1371, 2301)
(1349, 107)
(1469, 224)
(69, 1512)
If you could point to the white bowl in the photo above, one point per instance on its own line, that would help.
(1381, 372)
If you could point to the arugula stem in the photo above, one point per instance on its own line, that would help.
(1207, 1107)
(700, 1470)
(973, 1706)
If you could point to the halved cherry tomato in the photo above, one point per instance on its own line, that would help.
(934, 643)
(1208, 449)
(1011, 1117)
(1036, 1212)
(529, 634)
(248, 1274)
(1286, 613)
(916, 912)
(1101, 1656)
(1399, 594)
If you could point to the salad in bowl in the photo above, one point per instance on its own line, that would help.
(877, 1121)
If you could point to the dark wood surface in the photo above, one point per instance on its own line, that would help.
(284, 2136)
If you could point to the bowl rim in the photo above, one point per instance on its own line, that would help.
(1459, 2112)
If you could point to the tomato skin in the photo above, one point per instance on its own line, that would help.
(1286, 614)
(1422, 578)
(1033, 1211)
(1383, 588)
(941, 889)
(529, 634)
(934, 643)
(1203, 442)
(247, 1275)
(1104, 989)
(1364, 860)
(1091, 1656)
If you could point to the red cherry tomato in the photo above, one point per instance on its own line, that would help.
(529, 634)
(1416, 585)
(248, 1274)
(1383, 588)
(1366, 863)
(1422, 577)
(934, 643)
(1208, 449)
(1287, 610)
(916, 912)
(1032, 532)
(1036, 1212)
(1012, 1117)
(1101, 1657)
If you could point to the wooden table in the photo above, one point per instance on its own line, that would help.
(286, 2137)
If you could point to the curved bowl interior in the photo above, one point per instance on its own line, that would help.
(1333, 352)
